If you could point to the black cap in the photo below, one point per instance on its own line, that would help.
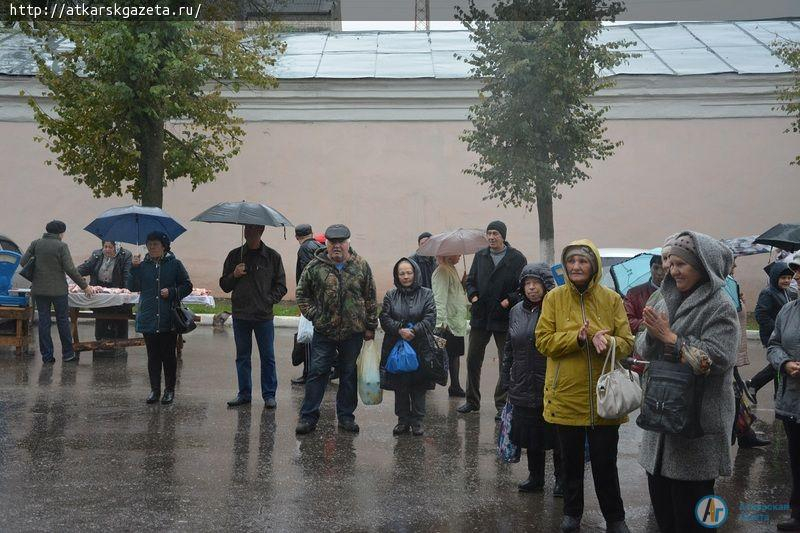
(337, 232)
(55, 226)
(301, 230)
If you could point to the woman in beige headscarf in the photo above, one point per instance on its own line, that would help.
(452, 315)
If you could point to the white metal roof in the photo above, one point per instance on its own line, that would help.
(678, 48)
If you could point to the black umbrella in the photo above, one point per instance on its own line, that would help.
(783, 236)
(244, 213)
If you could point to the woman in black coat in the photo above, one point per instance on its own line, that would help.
(407, 303)
(522, 377)
(110, 266)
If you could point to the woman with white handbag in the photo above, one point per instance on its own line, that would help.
(574, 332)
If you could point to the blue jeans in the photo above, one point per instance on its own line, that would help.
(61, 305)
(323, 357)
(264, 330)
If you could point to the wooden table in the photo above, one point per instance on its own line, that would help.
(22, 333)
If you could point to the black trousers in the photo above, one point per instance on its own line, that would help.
(409, 405)
(478, 340)
(161, 352)
(603, 442)
(793, 437)
(674, 501)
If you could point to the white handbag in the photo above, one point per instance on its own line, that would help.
(305, 330)
(618, 390)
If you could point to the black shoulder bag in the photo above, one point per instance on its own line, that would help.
(183, 319)
(673, 398)
(29, 269)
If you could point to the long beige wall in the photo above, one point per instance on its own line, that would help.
(389, 181)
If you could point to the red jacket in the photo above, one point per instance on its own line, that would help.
(634, 304)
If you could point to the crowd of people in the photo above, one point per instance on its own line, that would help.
(551, 342)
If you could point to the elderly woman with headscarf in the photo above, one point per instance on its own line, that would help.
(162, 282)
(579, 322)
(407, 309)
(110, 266)
(696, 324)
(523, 376)
(452, 315)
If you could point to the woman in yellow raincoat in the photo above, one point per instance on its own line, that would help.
(574, 332)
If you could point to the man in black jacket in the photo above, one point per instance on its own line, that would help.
(427, 264)
(305, 253)
(492, 286)
(254, 272)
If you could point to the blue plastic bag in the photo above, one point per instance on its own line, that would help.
(402, 358)
(507, 451)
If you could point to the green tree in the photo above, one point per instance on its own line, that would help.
(533, 128)
(789, 52)
(139, 104)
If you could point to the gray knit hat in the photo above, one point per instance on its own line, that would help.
(684, 247)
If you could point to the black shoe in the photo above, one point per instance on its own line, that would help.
(49, 361)
(401, 429)
(569, 524)
(305, 427)
(467, 408)
(169, 397)
(236, 402)
(530, 485)
(416, 430)
(70, 358)
(270, 403)
(497, 415)
(456, 393)
(558, 489)
(154, 396)
(349, 426)
(751, 440)
(793, 524)
(617, 527)
(299, 381)
(751, 391)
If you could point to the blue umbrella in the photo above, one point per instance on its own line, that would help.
(636, 271)
(133, 223)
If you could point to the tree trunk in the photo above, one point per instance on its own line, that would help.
(151, 162)
(544, 208)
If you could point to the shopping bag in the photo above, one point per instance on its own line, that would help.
(402, 358)
(305, 331)
(369, 374)
(507, 451)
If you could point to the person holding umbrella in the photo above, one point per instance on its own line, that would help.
(162, 281)
(254, 274)
(452, 315)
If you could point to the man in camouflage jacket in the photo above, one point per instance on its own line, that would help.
(337, 294)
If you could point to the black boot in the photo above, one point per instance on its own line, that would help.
(154, 396)
(169, 396)
(751, 440)
(570, 524)
(531, 485)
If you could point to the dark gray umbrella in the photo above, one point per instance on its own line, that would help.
(783, 236)
(243, 213)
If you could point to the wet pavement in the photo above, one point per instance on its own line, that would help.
(80, 450)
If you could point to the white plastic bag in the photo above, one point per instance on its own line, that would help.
(618, 390)
(305, 331)
(369, 374)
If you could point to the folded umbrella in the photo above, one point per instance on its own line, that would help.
(783, 236)
(456, 242)
(133, 223)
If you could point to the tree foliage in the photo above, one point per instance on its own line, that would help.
(533, 128)
(139, 104)
(789, 52)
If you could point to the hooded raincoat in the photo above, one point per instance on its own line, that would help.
(771, 300)
(572, 370)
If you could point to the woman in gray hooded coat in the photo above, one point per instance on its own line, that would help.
(783, 352)
(697, 321)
